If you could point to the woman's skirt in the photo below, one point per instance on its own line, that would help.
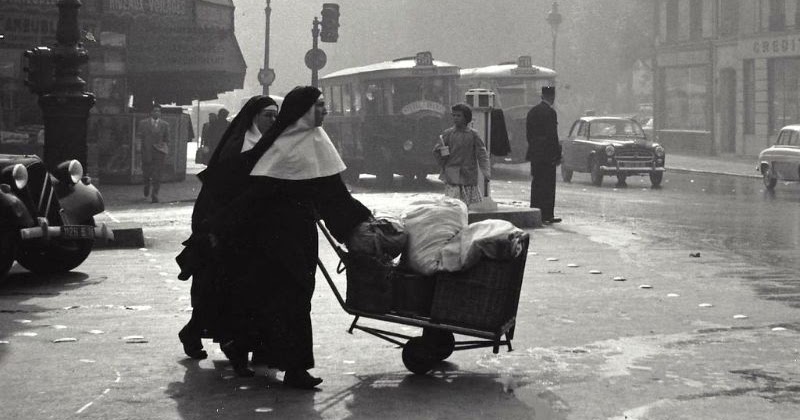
(467, 193)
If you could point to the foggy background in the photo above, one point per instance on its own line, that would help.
(599, 41)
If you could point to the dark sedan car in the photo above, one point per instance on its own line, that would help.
(46, 219)
(611, 146)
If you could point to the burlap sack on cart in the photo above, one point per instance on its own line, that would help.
(493, 239)
(382, 237)
(430, 224)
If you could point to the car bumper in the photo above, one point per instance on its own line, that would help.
(626, 169)
(67, 232)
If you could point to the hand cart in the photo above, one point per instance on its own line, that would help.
(480, 303)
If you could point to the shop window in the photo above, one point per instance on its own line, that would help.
(696, 19)
(783, 92)
(685, 98)
(777, 15)
(729, 18)
(749, 96)
(672, 21)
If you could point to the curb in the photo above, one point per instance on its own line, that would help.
(709, 172)
(124, 237)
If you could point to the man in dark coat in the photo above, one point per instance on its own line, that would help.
(153, 132)
(544, 153)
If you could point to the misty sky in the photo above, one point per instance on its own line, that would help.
(464, 32)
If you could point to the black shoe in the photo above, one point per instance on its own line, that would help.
(238, 359)
(154, 200)
(554, 220)
(301, 379)
(193, 347)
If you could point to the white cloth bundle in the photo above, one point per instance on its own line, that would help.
(430, 225)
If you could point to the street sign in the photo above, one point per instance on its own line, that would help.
(316, 59)
(266, 77)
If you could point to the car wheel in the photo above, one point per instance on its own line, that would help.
(655, 179)
(769, 180)
(596, 173)
(57, 256)
(566, 174)
(8, 251)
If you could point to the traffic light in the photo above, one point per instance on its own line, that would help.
(330, 22)
(40, 69)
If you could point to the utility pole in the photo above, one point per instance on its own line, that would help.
(267, 75)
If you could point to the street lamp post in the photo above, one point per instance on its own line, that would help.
(66, 108)
(268, 13)
(554, 19)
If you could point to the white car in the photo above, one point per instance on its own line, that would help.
(781, 161)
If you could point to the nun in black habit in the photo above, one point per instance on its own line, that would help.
(255, 118)
(266, 236)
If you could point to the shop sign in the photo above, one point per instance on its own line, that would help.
(154, 7)
(683, 58)
(214, 16)
(25, 29)
(782, 46)
(87, 5)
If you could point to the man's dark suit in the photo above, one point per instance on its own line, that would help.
(155, 147)
(544, 153)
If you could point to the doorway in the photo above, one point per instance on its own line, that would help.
(727, 107)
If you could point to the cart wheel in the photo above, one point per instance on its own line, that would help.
(417, 356)
(442, 343)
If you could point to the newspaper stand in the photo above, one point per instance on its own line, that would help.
(437, 342)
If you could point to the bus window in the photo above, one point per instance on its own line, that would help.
(373, 99)
(336, 99)
(346, 99)
(406, 91)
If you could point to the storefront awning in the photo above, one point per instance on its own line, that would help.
(183, 64)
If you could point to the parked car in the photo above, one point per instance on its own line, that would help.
(782, 159)
(611, 146)
(46, 219)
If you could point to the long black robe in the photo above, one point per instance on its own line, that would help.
(270, 248)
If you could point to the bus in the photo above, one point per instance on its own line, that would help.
(385, 118)
(517, 87)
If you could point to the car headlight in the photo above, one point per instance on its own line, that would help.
(70, 171)
(408, 145)
(659, 150)
(609, 150)
(20, 176)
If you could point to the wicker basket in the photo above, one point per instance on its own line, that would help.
(485, 297)
(412, 293)
(369, 284)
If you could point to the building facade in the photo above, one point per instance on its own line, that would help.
(140, 52)
(727, 73)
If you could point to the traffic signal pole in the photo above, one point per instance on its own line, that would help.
(315, 47)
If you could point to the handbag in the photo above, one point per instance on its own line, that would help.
(201, 155)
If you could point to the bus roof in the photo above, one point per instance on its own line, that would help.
(394, 68)
(507, 70)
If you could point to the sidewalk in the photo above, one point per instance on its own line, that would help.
(186, 190)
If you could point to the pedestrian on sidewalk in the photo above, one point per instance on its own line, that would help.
(153, 133)
(544, 153)
(460, 153)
